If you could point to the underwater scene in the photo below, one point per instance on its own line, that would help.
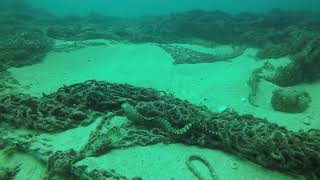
(160, 90)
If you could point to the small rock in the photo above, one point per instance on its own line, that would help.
(137, 178)
(290, 101)
(234, 165)
(243, 99)
(307, 120)
(222, 108)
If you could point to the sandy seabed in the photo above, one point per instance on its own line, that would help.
(217, 85)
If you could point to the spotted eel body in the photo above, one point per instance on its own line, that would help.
(133, 115)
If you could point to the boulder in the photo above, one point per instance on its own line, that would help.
(289, 100)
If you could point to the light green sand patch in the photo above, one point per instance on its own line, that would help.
(169, 162)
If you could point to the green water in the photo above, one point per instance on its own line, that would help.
(145, 7)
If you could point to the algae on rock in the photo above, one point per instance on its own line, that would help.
(291, 101)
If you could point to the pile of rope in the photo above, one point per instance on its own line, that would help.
(161, 116)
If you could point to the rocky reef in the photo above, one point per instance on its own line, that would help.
(304, 67)
(276, 34)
